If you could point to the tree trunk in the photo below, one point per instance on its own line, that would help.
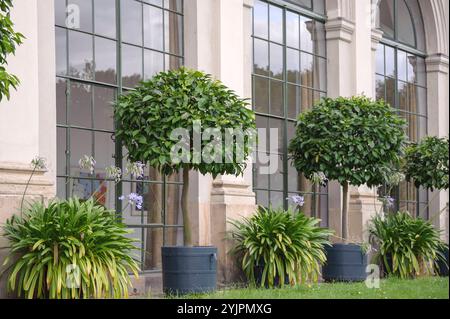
(185, 208)
(153, 259)
(345, 211)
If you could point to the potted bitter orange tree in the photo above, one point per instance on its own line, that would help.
(179, 121)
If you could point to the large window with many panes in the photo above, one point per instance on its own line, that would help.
(401, 81)
(104, 48)
(289, 76)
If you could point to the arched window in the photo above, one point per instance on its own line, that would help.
(401, 81)
(289, 75)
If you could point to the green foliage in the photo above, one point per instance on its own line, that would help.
(48, 239)
(427, 163)
(9, 39)
(284, 243)
(175, 99)
(351, 140)
(407, 246)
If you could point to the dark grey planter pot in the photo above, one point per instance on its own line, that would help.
(188, 270)
(345, 263)
(443, 267)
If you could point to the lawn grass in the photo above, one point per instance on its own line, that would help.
(422, 288)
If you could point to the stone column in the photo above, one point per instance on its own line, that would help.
(340, 29)
(232, 197)
(218, 41)
(28, 119)
(438, 104)
(349, 44)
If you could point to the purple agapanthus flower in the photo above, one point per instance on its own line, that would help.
(388, 201)
(298, 200)
(133, 199)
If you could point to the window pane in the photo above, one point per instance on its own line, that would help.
(261, 19)
(278, 125)
(276, 61)
(104, 152)
(307, 99)
(103, 108)
(153, 27)
(174, 5)
(379, 88)
(293, 98)
(261, 57)
(153, 63)
(262, 198)
(61, 101)
(319, 6)
(412, 68)
(380, 59)
(276, 200)
(61, 138)
(81, 9)
(293, 66)
(306, 34)
(80, 105)
(261, 180)
(402, 65)
(405, 24)
(105, 17)
(80, 55)
(80, 145)
(61, 51)
(131, 65)
(390, 92)
(131, 21)
(390, 61)
(276, 24)
(292, 30)
(172, 62)
(403, 96)
(422, 101)
(276, 98)
(304, 3)
(60, 12)
(174, 25)
(307, 69)
(261, 95)
(276, 179)
(105, 60)
(387, 17)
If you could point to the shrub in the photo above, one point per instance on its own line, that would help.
(427, 163)
(50, 242)
(283, 244)
(151, 114)
(355, 141)
(407, 246)
(9, 40)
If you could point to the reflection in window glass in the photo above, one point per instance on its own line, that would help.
(105, 60)
(131, 65)
(261, 57)
(61, 51)
(153, 28)
(81, 60)
(131, 21)
(405, 24)
(105, 13)
(81, 9)
(276, 24)
(153, 63)
(260, 19)
(387, 23)
(173, 30)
